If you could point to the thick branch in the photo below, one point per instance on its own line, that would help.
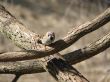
(72, 57)
(27, 40)
(33, 66)
(21, 38)
(89, 51)
(12, 56)
(6, 23)
(56, 66)
(61, 70)
(21, 67)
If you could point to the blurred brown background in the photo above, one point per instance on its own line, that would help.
(60, 16)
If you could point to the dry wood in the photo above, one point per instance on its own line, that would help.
(89, 51)
(27, 40)
(33, 66)
(61, 70)
(55, 65)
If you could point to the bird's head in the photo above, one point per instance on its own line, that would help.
(48, 38)
(50, 35)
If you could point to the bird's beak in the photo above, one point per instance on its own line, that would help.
(52, 38)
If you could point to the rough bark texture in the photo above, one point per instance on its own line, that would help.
(58, 67)
(72, 57)
(21, 67)
(61, 70)
(89, 51)
(33, 66)
(27, 40)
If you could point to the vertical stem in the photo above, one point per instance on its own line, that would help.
(17, 76)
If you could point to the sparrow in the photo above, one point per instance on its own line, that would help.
(48, 38)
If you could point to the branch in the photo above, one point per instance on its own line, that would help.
(21, 67)
(33, 66)
(21, 38)
(72, 57)
(27, 40)
(89, 50)
(17, 76)
(61, 70)
(13, 56)
(56, 66)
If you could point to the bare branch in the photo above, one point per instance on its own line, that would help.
(13, 56)
(89, 51)
(54, 65)
(33, 66)
(21, 67)
(27, 40)
(61, 70)
(73, 57)
(17, 76)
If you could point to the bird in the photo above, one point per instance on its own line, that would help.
(47, 39)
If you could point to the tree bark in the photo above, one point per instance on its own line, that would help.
(16, 78)
(61, 70)
(58, 67)
(33, 66)
(27, 40)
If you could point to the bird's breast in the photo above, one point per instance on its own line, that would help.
(46, 41)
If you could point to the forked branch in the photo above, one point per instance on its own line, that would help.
(33, 66)
(27, 40)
